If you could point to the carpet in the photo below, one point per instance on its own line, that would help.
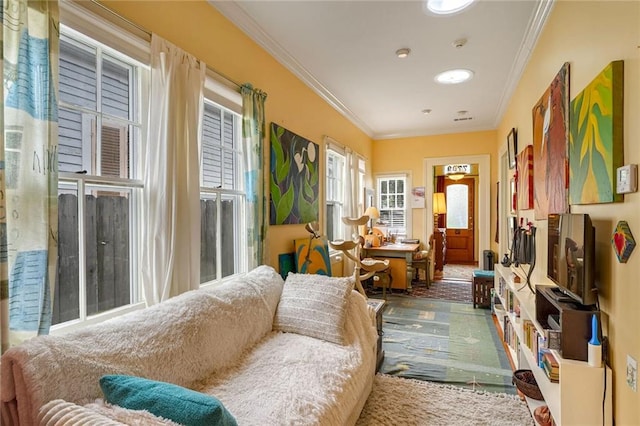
(455, 291)
(444, 342)
(458, 272)
(397, 401)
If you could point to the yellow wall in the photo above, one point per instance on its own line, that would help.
(589, 35)
(409, 154)
(199, 29)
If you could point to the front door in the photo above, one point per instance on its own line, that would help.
(460, 220)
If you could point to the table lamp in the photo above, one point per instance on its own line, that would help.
(373, 213)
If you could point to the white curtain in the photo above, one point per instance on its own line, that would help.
(351, 190)
(171, 252)
(28, 168)
(351, 193)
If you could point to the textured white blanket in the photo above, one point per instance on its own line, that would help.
(179, 341)
(218, 341)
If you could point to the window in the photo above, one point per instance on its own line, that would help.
(335, 194)
(103, 110)
(100, 130)
(458, 206)
(222, 198)
(392, 197)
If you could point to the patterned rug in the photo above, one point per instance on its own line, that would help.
(455, 291)
(444, 342)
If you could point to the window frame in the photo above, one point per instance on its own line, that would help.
(406, 176)
(81, 181)
(336, 183)
(220, 193)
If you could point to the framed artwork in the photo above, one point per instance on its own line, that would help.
(525, 178)
(622, 241)
(550, 142)
(417, 197)
(512, 147)
(312, 256)
(294, 180)
(595, 138)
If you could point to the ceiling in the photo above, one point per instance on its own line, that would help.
(345, 51)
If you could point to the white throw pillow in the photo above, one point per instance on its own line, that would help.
(315, 306)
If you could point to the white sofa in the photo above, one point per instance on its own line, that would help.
(218, 341)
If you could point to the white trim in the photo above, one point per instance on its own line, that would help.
(407, 175)
(219, 91)
(234, 13)
(334, 145)
(504, 207)
(241, 19)
(483, 222)
(533, 31)
(106, 31)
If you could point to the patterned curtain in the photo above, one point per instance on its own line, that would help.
(28, 168)
(253, 126)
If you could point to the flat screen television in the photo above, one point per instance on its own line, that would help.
(571, 257)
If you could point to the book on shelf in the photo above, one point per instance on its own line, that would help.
(549, 364)
(553, 338)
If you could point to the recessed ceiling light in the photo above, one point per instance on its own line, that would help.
(426, 111)
(454, 76)
(403, 53)
(447, 7)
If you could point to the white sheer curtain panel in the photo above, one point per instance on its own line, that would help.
(351, 189)
(171, 256)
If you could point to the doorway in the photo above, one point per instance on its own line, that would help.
(460, 219)
(482, 224)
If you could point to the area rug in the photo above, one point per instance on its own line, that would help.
(455, 291)
(458, 272)
(407, 402)
(444, 342)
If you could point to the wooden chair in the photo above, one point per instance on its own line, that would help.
(423, 260)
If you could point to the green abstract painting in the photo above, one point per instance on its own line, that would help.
(294, 179)
(595, 138)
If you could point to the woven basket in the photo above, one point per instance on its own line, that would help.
(526, 383)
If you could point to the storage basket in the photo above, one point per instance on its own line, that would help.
(526, 383)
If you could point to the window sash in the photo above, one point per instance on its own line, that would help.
(103, 247)
(392, 203)
(336, 170)
(222, 197)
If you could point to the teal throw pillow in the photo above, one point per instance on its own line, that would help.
(173, 402)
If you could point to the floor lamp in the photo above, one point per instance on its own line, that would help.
(439, 207)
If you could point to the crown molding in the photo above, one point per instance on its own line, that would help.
(234, 13)
(534, 29)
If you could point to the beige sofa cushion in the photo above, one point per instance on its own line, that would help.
(314, 306)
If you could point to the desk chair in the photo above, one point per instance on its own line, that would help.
(422, 260)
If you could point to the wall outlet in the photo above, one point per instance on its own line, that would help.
(632, 373)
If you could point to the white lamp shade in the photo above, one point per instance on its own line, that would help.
(372, 212)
